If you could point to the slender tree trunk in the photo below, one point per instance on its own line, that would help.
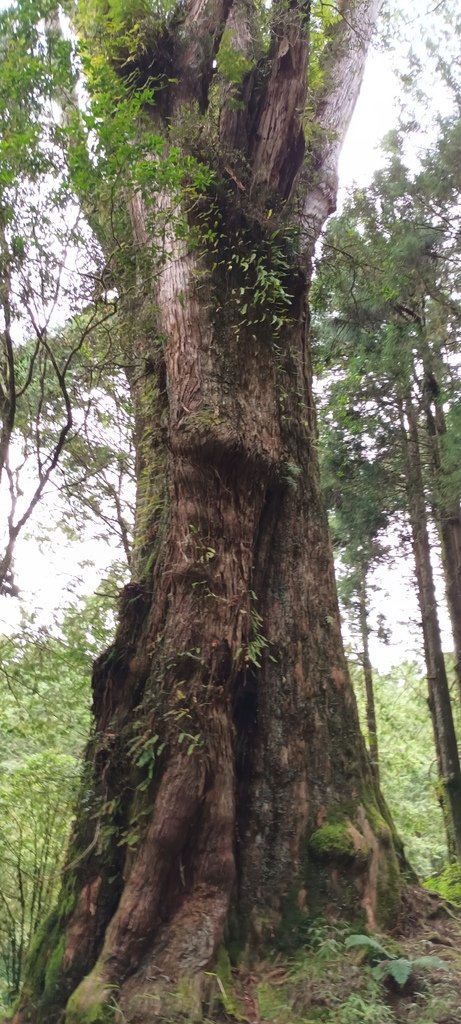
(439, 694)
(448, 518)
(368, 676)
(228, 795)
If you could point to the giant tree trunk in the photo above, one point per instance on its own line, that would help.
(439, 693)
(227, 792)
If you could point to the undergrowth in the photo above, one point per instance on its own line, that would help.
(335, 982)
(447, 884)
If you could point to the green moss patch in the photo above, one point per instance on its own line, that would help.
(225, 983)
(53, 968)
(388, 891)
(447, 884)
(91, 1002)
(338, 842)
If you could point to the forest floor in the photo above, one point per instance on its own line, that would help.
(334, 978)
(332, 983)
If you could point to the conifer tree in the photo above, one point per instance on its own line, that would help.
(227, 793)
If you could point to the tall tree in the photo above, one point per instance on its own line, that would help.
(56, 316)
(360, 498)
(44, 717)
(382, 283)
(228, 786)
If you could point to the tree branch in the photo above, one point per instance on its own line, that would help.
(343, 64)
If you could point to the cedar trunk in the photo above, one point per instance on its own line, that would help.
(448, 518)
(438, 689)
(227, 794)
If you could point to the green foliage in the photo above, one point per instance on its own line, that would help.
(28, 81)
(387, 339)
(447, 883)
(323, 18)
(407, 768)
(257, 275)
(388, 965)
(36, 799)
(44, 722)
(147, 751)
(327, 983)
(257, 642)
(49, 261)
(232, 64)
(388, 279)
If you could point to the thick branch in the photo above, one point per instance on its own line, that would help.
(277, 139)
(343, 65)
(198, 42)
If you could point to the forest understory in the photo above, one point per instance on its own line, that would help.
(333, 976)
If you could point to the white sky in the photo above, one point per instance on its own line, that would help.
(48, 578)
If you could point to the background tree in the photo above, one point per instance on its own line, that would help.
(44, 719)
(56, 319)
(359, 493)
(409, 774)
(388, 288)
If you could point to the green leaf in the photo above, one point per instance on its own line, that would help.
(368, 943)
(400, 970)
(431, 961)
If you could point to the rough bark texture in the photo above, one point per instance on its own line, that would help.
(333, 110)
(368, 677)
(439, 693)
(228, 794)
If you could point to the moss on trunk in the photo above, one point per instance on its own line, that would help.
(226, 732)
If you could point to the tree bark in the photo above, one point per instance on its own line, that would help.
(448, 517)
(368, 676)
(228, 788)
(439, 693)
